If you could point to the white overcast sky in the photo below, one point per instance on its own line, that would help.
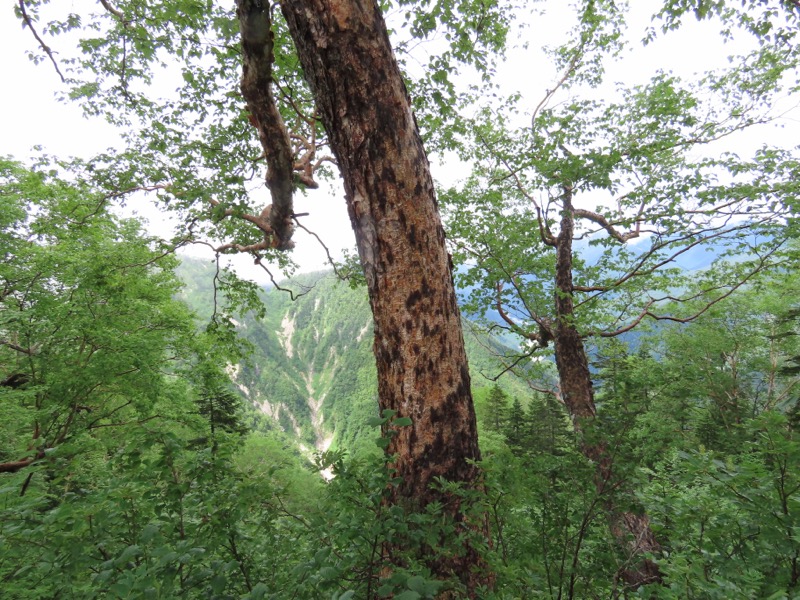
(30, 115)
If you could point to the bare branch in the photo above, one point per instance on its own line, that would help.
(108, 414)
(637, 271)
(116, 12)
(138, 188)
(324, 159)
(762, 263)
(45, 47)
(310, 121)
(541, 338)
(292, 294)
(506, 368)
(644, 313)
(18, 465)
(511, 323)
(249, 249)
(262, 221)
(332, 262)
(13, 346)
(544, 231)
(609, 227)
(124, 423)
(571, 67)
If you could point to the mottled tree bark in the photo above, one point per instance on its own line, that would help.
(257, 58)
(344, 48)
(577, 393)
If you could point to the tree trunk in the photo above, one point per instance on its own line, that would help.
(344, 48)
(573, 366)
(577, 392)
(256, 85)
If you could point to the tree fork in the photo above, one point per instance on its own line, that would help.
(256, 86)
(348, 61)
(577, 393)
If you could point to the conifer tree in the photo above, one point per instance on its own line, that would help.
(515, 425)
(496, 408)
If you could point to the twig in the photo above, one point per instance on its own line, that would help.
(124, 423)
(26, 484)
(761, 264)
(45, 47)
(138, 188)
(294, 296)
(116, 12)
(336, 270)
(571, 67)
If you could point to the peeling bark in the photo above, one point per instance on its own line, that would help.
(419, 350)
(418, 343)
(256, 85)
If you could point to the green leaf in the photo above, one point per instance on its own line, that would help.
(375, 422)
(121, 589)
(127, 554)
(416, 583)
(259, 592)
(218, 583)
(149, 532)
(329, 573)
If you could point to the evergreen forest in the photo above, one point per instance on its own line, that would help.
(562, 361)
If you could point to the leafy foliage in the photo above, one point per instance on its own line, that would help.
(142, 456)
(156, 492)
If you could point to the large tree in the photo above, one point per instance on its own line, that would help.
(117, 429)
(573, 225)
(196, 149)
(419, 348)
(88, 319)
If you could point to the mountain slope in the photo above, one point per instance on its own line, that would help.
(312, 370)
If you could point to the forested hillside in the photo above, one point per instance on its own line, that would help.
(310, 367)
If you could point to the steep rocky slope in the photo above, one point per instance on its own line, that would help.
(312, 369)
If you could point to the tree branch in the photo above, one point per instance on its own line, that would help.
(646, 312)
(332, 262)
(609, 227)
(18, 465)
(256, 87)
(114, 11)
(544, 231)
(13, 346)
(26, 18)
(571, 67)
(637, 271)
(292, 294)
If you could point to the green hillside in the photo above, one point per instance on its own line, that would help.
(311, 370)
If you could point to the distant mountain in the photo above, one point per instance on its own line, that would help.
(312, 372)
(694, 259)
